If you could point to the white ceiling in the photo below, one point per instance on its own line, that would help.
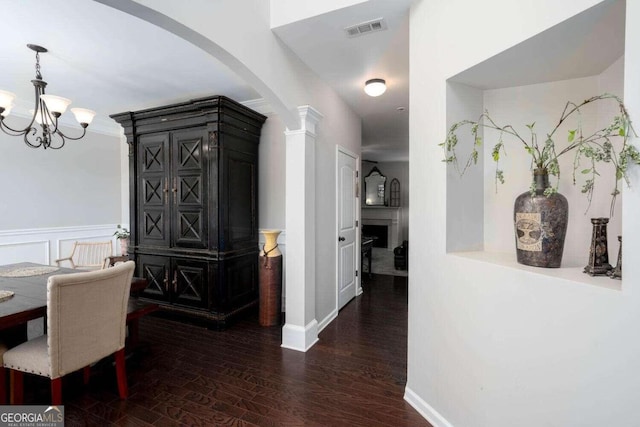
(583, 45)
(111, 62)
(346, 63)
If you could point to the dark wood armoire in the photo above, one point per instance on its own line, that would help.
(194, 206)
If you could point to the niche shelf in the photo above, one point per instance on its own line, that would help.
(579, 57)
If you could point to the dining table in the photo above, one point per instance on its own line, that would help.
(27, 284)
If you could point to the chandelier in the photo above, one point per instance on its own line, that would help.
(47, 111)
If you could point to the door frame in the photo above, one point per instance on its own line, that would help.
(343, 150)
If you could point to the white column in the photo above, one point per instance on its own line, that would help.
(300, 331)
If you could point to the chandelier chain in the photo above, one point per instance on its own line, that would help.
(38, 75)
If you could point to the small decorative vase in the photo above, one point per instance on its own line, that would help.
(124, 246)
(598, 253)
(270, 280)
(540, 224)
(270, 247)
(616, 273)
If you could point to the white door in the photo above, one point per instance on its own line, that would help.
(347, 231)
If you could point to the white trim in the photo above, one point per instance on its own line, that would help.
(299, 338)
(81, 228)
(424, 409)
(304, 132)
(309, 118)
(45, 245)
(325, 322)
(259, 105)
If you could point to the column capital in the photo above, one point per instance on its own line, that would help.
(309, 119)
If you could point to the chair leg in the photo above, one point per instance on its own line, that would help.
(86, 374)
(17, 387)
(121, 373)
(56, 391)
(3, 386)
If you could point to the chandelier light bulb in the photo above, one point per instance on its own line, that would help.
(56, 104)
(375, 87)
(83, 116)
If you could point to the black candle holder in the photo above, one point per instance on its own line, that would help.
(616, 273)
(598, 253)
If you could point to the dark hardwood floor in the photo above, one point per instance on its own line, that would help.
(354, 376)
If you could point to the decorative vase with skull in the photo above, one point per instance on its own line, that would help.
(540, 224)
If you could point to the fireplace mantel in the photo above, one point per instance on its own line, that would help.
(384, 215)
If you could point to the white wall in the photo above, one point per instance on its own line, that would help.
(78, 185)
(54, 197)
(271, 174)
(492, 344)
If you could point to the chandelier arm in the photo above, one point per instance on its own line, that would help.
(26, 140)
(62, 137)
(84, 131)
(29, 128)
(47, 117)
(16, 132)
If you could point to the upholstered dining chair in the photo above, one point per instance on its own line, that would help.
(88, 255)
(86, 317)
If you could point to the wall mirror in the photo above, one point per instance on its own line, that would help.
(374, 187)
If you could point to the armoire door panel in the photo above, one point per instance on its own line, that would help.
(190, 177)
(241, 276)
(154, 226)
(156, 270)
(240, 212)
(190, 190)
(190, 282)
(154, 155)
(189, 227)
(153, 190)
(189, 150)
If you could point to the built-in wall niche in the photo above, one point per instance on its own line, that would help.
(531, 82)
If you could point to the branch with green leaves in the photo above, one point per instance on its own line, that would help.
(593, 148)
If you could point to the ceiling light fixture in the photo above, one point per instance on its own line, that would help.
(47, 110)
(375, 87)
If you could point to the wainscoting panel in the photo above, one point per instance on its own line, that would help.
(45, 245)
(31, 251)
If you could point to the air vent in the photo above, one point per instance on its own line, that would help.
(366, 28)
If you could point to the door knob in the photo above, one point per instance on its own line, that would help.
(341, 239)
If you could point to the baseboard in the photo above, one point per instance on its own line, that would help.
(300, 338)
(324, 322)
(424, 409)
